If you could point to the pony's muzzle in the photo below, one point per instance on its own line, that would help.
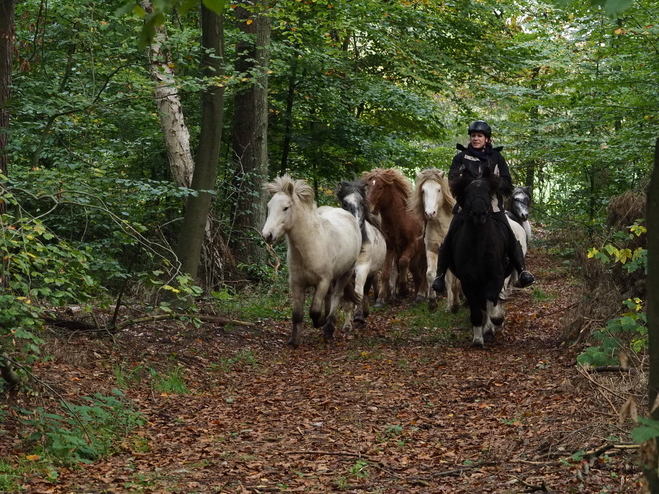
(269, 237)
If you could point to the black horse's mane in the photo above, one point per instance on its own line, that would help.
(459, 184)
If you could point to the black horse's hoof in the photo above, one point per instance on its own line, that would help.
(328, 333)
(439, 285)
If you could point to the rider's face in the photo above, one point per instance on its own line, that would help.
(478, 140)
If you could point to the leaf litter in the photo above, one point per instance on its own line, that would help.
(364, 414)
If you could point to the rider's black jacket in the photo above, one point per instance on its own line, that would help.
(471, 161)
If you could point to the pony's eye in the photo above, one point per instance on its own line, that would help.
(286, 208)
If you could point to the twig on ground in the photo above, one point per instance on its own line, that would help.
(534, 487)
(587, 376)
(174, 315)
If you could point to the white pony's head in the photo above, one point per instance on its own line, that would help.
(287, 196)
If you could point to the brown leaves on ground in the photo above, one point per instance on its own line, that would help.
(361, 415)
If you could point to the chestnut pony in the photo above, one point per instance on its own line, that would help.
(388, 191)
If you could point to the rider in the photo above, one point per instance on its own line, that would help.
(473, 159)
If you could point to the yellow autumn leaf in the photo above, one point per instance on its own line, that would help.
(33, 457)
(249, 21)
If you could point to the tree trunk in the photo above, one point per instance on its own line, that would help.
(195, 221)
(170, 110)
(7, 9)
(250, 130)
(649, 449)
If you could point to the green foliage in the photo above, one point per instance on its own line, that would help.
(81, 433)
(618, 252)
(648, 430)
(626, 332)
(243, 358)
(173, 382)
(630, 330)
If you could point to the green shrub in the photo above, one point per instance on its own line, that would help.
(81, 433)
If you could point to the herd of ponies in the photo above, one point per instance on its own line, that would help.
(386, 230)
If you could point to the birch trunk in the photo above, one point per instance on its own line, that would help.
(170, 110)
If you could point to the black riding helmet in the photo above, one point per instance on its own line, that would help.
(480, 126)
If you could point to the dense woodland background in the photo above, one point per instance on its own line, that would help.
(133, 157)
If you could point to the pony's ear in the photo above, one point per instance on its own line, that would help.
(289, 188)
(442, 173)
(340, 186)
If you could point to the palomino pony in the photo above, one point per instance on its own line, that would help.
(519, 205)
(388, 191)
(374, 249)
(323, 247)
(480, 257)
(432, 204)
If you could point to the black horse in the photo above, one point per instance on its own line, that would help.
(480, 257)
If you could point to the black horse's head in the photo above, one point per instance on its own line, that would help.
(474, 194)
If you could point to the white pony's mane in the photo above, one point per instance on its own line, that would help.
(291, 187)
(416, 201)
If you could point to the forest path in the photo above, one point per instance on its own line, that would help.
(390, 409)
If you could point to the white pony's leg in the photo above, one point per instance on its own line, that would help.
(431, 272)
(315, 311)
(361, 273)
(297, 294)
(453, 292)
(336, 295)
(349, 311)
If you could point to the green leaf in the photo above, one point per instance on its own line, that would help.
(644, 433)
(216, 6)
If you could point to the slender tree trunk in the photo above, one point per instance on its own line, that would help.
(650, 455)
(170, 110)
(195, 225)
(7, 9)
(250, 133)
(288, 131)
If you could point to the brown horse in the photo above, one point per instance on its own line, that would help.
(388, 192)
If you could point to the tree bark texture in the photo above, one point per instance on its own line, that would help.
(250, 131)
(170, 110)
(195, 221)
(7, 10)
(649, 451)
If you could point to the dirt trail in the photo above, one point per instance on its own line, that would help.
(371, 414)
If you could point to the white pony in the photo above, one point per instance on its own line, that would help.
(323, 246)
(522, 237)
(433, 203)
(374, 249)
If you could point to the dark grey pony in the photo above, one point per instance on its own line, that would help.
(373, 252)
(518, 207)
